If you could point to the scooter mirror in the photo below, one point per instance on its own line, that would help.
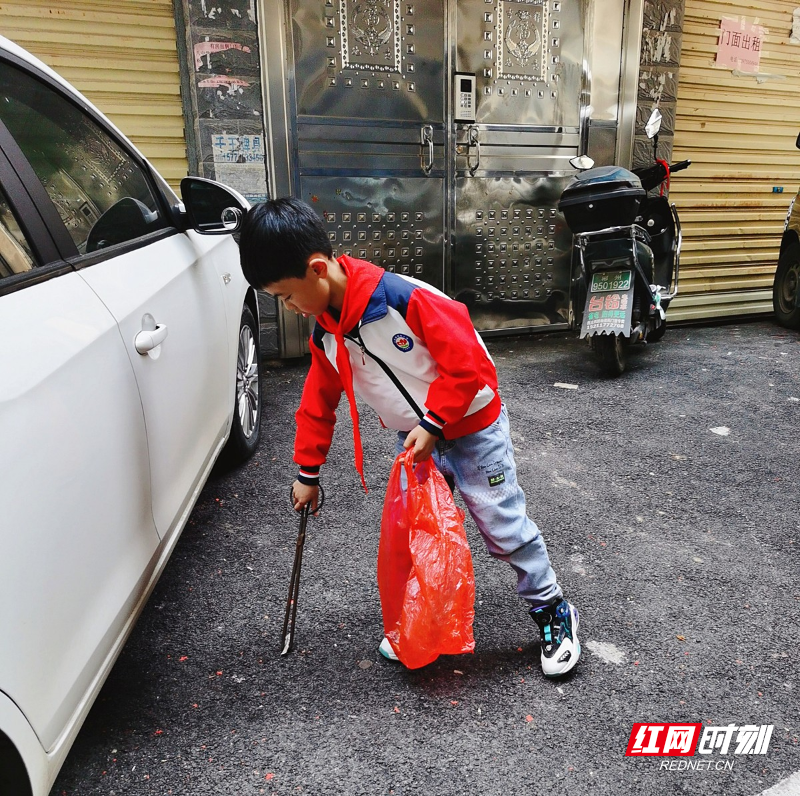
(581, 162)
(653, 123)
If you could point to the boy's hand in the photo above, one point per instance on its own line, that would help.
(422, 441)
(302, 494)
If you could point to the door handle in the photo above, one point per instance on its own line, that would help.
(473, 140)
(426, 144)
(151, 336)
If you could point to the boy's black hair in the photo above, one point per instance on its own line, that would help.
(277, 238)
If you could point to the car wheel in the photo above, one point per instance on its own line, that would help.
(784, 289)
(610, 352)
(246, 429)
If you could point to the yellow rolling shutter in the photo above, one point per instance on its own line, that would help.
(739, 132)
(122, 55)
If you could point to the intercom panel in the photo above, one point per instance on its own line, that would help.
(464, 96)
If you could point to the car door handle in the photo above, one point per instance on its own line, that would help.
(148, 339)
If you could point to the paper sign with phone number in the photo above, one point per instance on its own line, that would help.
(739, 45)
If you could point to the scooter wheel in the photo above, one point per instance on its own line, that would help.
(610, 352)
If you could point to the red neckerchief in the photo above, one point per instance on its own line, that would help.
(362, 279)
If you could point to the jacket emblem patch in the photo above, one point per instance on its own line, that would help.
(402, 342)
(497, 479)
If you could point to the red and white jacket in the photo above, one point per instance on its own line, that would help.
(406, 349)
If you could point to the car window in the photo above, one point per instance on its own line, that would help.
(100, 192)
(15, 254)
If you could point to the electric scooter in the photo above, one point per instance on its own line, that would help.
(627, 247)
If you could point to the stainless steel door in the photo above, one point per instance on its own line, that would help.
(380, 151)
(511, 255)
(370, 127)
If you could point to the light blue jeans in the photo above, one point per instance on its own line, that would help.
(482, 467)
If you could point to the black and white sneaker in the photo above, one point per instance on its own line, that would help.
(558, 625)
(386, 650)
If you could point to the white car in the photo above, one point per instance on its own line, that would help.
(129, 361)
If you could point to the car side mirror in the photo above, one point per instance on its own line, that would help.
(212, 208)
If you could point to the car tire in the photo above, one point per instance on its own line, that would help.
(785, 287)
(610, 352)
(246, 429)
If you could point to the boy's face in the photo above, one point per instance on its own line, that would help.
(307, 296)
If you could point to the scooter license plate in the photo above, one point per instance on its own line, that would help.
(606, 281)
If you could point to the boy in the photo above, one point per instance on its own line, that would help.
(412, 354)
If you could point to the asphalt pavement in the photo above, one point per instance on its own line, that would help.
(669, 502)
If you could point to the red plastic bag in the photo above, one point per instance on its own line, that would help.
(425, 576)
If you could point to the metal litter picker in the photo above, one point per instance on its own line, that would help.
(294, 584)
